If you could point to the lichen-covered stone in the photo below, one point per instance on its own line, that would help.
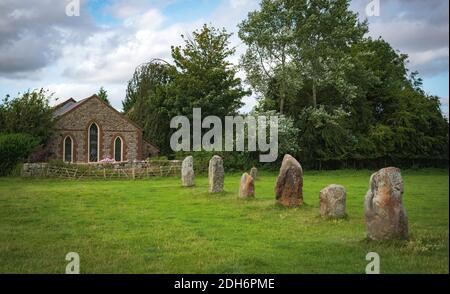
(289, 186)
(254, 172)
(384, 212)
(187, 172)
(247, 186)
(332, 201)
(215, 174)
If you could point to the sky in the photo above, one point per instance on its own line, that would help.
(48, 44)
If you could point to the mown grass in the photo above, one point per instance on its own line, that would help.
(156, 226)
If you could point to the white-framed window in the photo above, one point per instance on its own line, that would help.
(93, 143)
(118, 149)
(68, 149)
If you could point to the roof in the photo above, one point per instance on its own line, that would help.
(66, 106)
(70, 104)
(151, 144)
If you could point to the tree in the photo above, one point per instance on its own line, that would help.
(269, 35)
(324, 135)
(394, 113)
(28, 113)
(310, 40)
(205, 78)
(103, 95)
(14, 148)
(202, 77)
(148, 101)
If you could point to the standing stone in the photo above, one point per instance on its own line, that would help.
(332, 201)
(385, 215)
(215, 174)
(187, 172)
(254, 172)
(247, 186)
(289, 184)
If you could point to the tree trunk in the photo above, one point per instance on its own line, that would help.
(314, 94)
(283, 83)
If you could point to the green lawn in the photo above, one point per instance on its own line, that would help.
(156, 226)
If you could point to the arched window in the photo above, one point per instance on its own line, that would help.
(118, 146)
(94, 145)
(68, 149)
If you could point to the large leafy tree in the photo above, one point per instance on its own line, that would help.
(205, 77)
(202, 77)
(148, 101)
(301, 44)
(29, 113)
(269, 35)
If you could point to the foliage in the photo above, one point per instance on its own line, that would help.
(28, 113)
(103, 95)
(324, 135)
(205, 78)
(148, 101)
(202, 77)
(13, 149)
(308, 40)
(369, 107)
(288, 133)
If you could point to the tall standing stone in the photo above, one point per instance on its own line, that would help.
(215, 174)
(254, 172)
(385, 215)
(289, 184)
(332, 201)
(187, 172)
(247, 186)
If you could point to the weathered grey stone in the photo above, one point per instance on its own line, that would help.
(187, 172)
(215, 174)
(332, 201)
(254, 172)
(385, 215)
(33, 169)
(247, 186)
(289, 184)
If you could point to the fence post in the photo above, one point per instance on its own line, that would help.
(133, 172)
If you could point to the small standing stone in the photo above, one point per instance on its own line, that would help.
(385, 215)
(215, 174)
(247, 186)
(187, 172)
(332, 201)
(254, 172)
(289, 186)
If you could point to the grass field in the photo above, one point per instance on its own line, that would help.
(156, 226)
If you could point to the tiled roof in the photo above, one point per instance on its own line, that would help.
(66, 106)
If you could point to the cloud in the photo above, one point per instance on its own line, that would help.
(74, 56)
(111, 55)
(32, 34)
(417, 28)
(78, 91)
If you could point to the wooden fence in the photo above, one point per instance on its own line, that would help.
(107, 172)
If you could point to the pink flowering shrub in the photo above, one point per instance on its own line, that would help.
(107, 160)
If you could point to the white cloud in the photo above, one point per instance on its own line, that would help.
(78, 91)
(85, 56)
(110, 56)
(424, 57)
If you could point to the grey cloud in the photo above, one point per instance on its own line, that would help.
(32, 33)
(414, 27)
